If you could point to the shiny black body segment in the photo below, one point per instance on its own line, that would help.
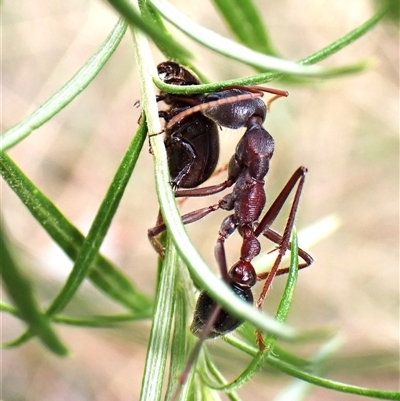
(192, 144)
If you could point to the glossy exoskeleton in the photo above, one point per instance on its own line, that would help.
(247, 170)
(192, 144)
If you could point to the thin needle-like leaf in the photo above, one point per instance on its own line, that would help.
(320, 55)
(101, 223)
(239, 52)
(103, 274)
(68, 92)
(245, 23)
(157, 350)
(131, 14)
(332, 384)
(20, 290)
(90, 321)
(299, 390)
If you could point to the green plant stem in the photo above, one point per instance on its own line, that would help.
(331, 384)
(320, 55)
(157, 350)
(239, 52)
(104, 275)
(21, 291)
(199, 270)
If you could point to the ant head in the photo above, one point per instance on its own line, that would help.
(243, 274)
(174, 74)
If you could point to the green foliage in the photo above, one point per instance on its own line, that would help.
(169, 311)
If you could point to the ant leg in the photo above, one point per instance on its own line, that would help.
(280, 200)
(277, 238)
(204, 191)
(190, 217)
(154, 239)
(228, 226)
(203, 106)
(186, 219)
(258, 89)
(195, 351)
(297, 178)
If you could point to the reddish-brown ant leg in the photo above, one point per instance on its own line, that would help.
(297, 178)
(270, 101)
(203, 106)
(186, 219)
(154, 240)
(277, 239)
(204, 191)
(257, 89)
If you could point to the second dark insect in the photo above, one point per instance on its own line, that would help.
(192, 144)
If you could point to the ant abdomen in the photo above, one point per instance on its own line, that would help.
(234, 115)
(225, 322)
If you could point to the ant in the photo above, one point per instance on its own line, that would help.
(192, 141)
(247, 170)
(236, 107)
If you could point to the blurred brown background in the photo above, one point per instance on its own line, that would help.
(344, 130)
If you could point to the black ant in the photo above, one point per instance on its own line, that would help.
(247, 169)
(235, 108)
